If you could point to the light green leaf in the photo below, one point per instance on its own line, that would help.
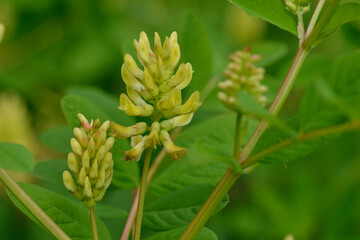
(174, 234)
(73, 104)
(346, 12)
(58, 138)
(71, 217)
(50, 170)
(178, 208)
(272, 11)
(270, 52)
(15, 157)
(108, 103)
(196, 49)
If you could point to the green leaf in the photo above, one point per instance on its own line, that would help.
(126, 174)
(58, 138)
(270, 51)
(71, 216)
(249, 105)
(196, 49)
(73, 104)
(217, 132)
(108, 211)
(108, 103)
(346, 12)
(50, 170)
(272, 11)
(174, 234)
(15, 157)
(324, 104)
(178, 208)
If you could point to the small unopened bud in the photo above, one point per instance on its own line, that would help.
(82, 177)
(109, 143)
(105, 126)
(130, 80)
(2, 30)
(91, 148)
(94, 172)
(73, 163)
(84, 122)
(132, 110)
(87, 188)
(189, 106)
(76, 147)
(69, 182)
(100, 179)
(154, 135)
(132, 66)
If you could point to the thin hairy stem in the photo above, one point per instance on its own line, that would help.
(93, 224)
(142, 191)
(32, 207)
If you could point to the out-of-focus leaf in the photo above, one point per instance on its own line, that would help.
(346, 12)
(178, 208)
(71, 217)
(58, 138)
(196, 49)
(272, 11)
(16, 157)
(270, 52)
(50, 170)
(174, 234)
(108, 103)
(73, 104)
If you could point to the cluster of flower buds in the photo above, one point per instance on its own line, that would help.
(90, 162)
(155, 92)
(295, 6)
(242, 75)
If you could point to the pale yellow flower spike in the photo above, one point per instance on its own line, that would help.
(154, 91)
(90, 162)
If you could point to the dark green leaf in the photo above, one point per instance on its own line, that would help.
(345, 12)
(71, 216)
(15, 157)
(272, 11)
(58, 138)
(174, 234)
(50, 170)
(196, 49)
(270, 52)
(178, 208)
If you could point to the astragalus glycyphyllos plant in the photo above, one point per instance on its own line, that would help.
(110, 147)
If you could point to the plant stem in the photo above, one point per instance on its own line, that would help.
(93, 224)
(301, 137)
(142, 191)
(237, 138)
(31, 206)
(220, 191)
(300, 26)
(314, 17)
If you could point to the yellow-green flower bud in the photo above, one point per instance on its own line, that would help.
(2, 30)
(90, 162)
(154, 90)
(126, 132)
(73, 163)
(173, 150)
(242, 75)
(69, 182)
(178, 121)
(296, 6)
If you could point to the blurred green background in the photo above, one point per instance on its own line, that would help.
(51, 45)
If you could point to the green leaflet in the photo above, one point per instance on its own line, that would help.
(318, 110)
(272, 11)
(346, 12)
(196, 49)
(174, 234)
(69, 215)
(270, 51)
(15, 157)
(178, 208)
(57, 138)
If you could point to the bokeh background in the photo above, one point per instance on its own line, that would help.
(51, 45)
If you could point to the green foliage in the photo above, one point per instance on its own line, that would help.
(196, 49)
(346, 12)
(58, 138)
(270, 52)
(272, 11)
(204, 234)
(15, 157)
(71, 216)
